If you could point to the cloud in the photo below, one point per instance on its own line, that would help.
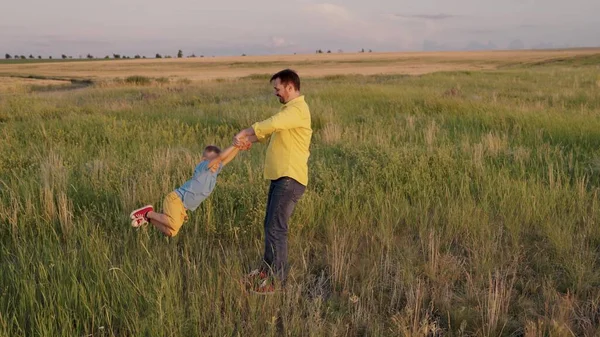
(427, 16)
(331, 12)
(352, 29)
(277, 41)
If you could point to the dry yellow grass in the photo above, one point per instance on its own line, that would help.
(14, 84)
(314, 65)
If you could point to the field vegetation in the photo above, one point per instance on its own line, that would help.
(460, 203)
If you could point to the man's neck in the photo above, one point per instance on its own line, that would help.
(293, 96)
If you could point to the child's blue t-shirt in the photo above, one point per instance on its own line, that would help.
(196, 190)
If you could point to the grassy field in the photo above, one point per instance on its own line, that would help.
(456, 204)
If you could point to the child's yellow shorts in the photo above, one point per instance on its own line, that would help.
(174, 209)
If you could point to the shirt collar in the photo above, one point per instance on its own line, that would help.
(295, 100)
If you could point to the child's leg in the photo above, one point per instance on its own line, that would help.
(160, 221)
(169, 222)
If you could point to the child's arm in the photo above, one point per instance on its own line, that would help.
(224, 158)
(229, 154)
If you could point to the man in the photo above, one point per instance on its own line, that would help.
(288, 134)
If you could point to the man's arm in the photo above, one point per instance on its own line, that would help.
(252, 139)
(286, 119)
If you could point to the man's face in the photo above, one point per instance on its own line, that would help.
(282, 91)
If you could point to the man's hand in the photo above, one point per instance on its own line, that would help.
(245, 145)
(242, 137)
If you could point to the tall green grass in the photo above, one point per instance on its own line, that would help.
(452, 204)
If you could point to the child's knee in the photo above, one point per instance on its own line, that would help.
(173, 227)
(170, 231)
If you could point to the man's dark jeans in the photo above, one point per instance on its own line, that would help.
(284, 193)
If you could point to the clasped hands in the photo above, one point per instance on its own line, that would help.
(240, 142)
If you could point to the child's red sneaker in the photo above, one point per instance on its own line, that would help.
(138, 217)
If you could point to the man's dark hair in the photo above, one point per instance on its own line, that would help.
(212, 148)
(287, 76)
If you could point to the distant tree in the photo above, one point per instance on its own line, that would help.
(362, 50)
(31, 56)
(143, 57)
(243, 54)
(320, 51)
(179, 54)
(90, 56)
(516, 44)
(370, 51)
(106, 57)
(64, 56)
(168, 56)
(7, 56)
(50, 57)
(71, 57)
(116, 56)
(137, 56)
(193, 55)
(158, 56)
(23, 57)
(329, 52)
(202, 56)
(39, 57)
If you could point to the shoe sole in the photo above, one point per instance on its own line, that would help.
(135, 225)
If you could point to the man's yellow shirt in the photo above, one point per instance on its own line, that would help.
(289, 134)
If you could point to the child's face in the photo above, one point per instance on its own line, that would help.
(210, 155)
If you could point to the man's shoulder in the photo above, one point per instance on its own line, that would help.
(301, 106)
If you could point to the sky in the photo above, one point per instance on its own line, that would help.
(233, 27)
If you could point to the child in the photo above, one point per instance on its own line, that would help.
(190, 194)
